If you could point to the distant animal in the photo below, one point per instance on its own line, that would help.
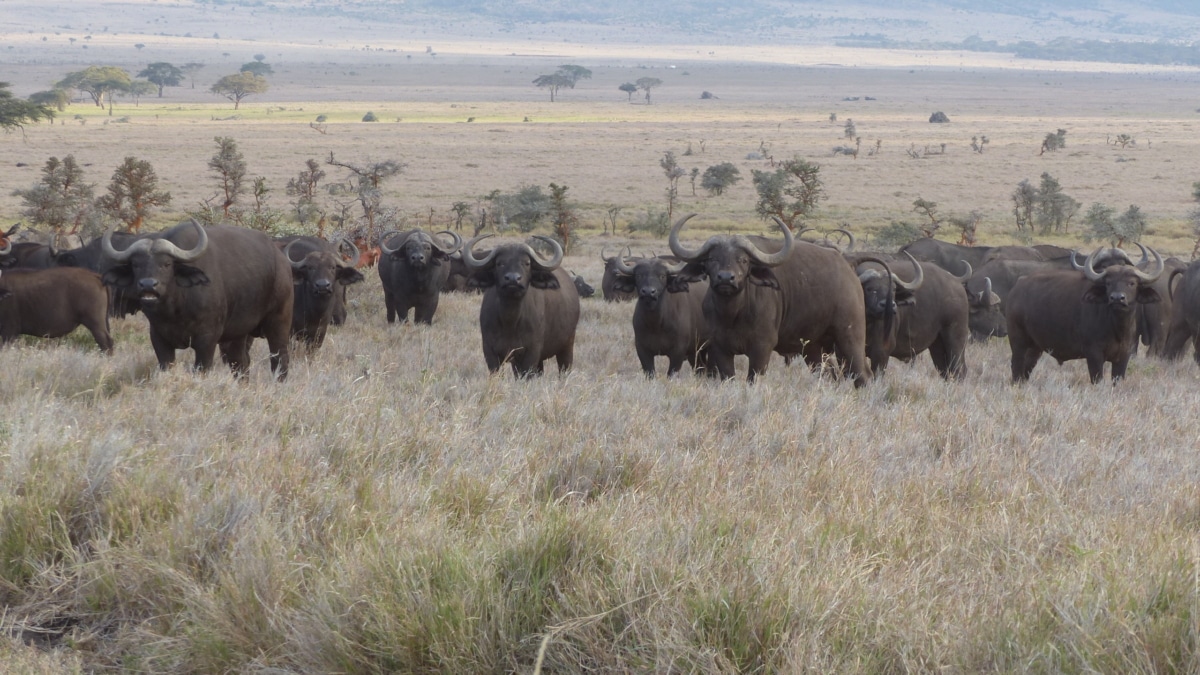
(585, 289)
(1086, 314)
(950, 256)
(669, 317)
(608, 278)
(929, 312)
(988, 287)
(413, 267)
(794, 298)
(530, 309)
(51, 303)
(320, 275)
(204, 288)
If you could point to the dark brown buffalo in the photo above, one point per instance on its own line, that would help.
(950, 257)
(1154, 319)
(530, 309)
(459, 279)
(320, 274)
(205, 288)
(1079, 315)
(928, 311)
(53, 302)
(25, 255)
(122, 301)
(583, 287)
(413, 267)
(608, 279)
(988, 287)
(794, 298)
(669, 317)
(1185, 316)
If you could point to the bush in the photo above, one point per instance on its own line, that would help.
(720, 177)
(897, 234)
(656, 223)
(938, 117)
(370, 117)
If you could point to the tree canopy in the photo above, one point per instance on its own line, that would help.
(646, 84)
(239, 86)
(162, 74)
(98, 82)
(16, 113)
(258, 68)
(565, 76)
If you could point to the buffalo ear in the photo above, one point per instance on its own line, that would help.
(120, 276)
(1147, 295)
(905, 297)
(187, 276)
(690, 274)
(349, 275)
(297, 276)
(1096, 294)
(676, 284)
(544, 280)
(763, 276)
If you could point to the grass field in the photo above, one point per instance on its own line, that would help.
(392, 508)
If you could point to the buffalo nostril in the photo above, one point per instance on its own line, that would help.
(147, 284)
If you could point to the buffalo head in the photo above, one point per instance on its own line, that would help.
(1120, 284)
(649, 279)
(883, 291)
(418, 248)
(730, 261)
(151, 265)
(585, 289)
(318, 271)
(513, 268)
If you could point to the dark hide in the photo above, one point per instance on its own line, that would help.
(320, 277)
(28, 256)
(238, 289)
(122, 302)
(666, 323)
(987, 312)
(53, 302)
(413, 277)
(1185, 315)
(951, 256)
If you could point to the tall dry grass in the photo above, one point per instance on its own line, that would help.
(392, 508)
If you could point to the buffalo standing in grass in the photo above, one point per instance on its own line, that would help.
(669, 317)
(950, 257)
(794, 298)
(25, 255)
(413, 267)
(608, 280)
(1070, 315)
(530, 309)
(1185, 317)
(906, 318)
(320, 275)
(207, 288)
(988, 287)
(53, 302)
(122, 301)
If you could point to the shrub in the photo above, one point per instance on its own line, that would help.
(370, 117)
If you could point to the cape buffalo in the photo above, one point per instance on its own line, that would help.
(53, 302)
(797, 298)
(988, 287)
(25, 255)
(951, 256)
(906, 318)
(122, 301)
(320, 275)
(1070, 315)
(413, 266)
(583, 287)
(203, 288)
(608, 279)
(669, 317)
(1185, 317)
(530, 309)
(1154, 319)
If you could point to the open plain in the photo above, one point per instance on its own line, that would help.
(392, 508)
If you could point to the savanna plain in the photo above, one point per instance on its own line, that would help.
(393, 508)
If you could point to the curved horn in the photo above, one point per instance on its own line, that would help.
(457, 243)
(963, 278)
(850, 236)
(7, 246)
(1089, 271)
(287, 253)
(868, 273)
(545, 265)
(352, 252)
(383, 240)
(677, 248)
(180, 254)
(986, 294)
(468, 254)
(917, 280)
(603, 257)
(769, 259)
(623, 267)
(1145, 258)
(1151, 277)
(106, 246)
(1075, 262)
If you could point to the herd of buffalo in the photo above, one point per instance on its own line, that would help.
(220, 287)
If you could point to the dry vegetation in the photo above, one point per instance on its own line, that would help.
(392, 508)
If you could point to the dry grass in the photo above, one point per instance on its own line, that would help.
(393, 508)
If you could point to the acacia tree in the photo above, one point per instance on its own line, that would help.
(62, 200)
(304, 188)
(673, 172)
(190, 69)
(133, 193)
(565, 76)
(258, 68)
(98, 82)
(564, 219)
(162, 74)
(229, 164)
(366, 182)
(239, 86)
(15, 113)
(790, 192)
(51, 98)
(646, 84)
(720, 177)
(630, 89)
(1102, 223)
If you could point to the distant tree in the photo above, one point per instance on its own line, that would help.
(849, 130)
(15, 113)
(62, 199)
(239, 86)
(719, 178)
(260, 57)
(190, 69)
(693, 175)
(98, 82)
(564, 219)
(229, 165)
(575, 73)
(978, 143)
(1054, 141)
(790, 192)
(646, 84)
(553, 82)
(51, 98)
(133, 194)
(1054, 208)
(258, 68)
(162, 74)
(460, 210)
(366, 183)
(137, 89)
(939, 117)
(630, 89)
(304, 188)
(1024, 200)
(1102, 224)
(930, 211)
(673, 172)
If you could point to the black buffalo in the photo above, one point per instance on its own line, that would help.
(907, 317)
(669, 317)
(608, 280)
(530, 309)
(413, 267)
(950, 257)
(1155, 319)
(988, 287)
(320, 275)
(122, 301)
(583, 287)
(1085, 314)
(25, 255)
(794, 298)
(1185, 317)
(53, 302)
(207, 288)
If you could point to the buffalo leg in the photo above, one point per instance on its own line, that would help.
(279, 343)
(759, 360)
(647, 359)
(423, 311)
(854, 361)
(390, 303)
(164, 352)
(235, 352)
(675, 363)
(949, 363)
(723, 361)
(99, 331)
(493, 360)
(1118, 370)
(1023, 360)
(566, 357)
